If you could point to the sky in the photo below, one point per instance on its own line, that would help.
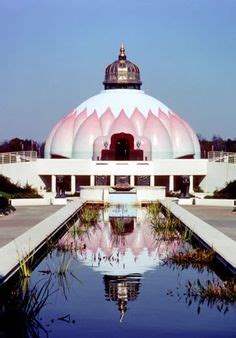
(53, 54)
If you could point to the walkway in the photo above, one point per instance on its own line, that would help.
(224, 245)
(52, 222)
(220, 218)
(21, 220)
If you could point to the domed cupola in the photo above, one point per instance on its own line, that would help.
(122, 74)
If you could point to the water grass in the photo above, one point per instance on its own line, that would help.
(62, 267)
(26, 261)
(88, 216)
(165, 226)
(20, 310)
(215, 293)
(119, 226)
(197, 258)
(61, 272)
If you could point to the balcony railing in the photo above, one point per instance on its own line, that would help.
(221, 156)
(18, 156)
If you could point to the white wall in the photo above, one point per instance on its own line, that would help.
(22, 202)
(23, 173)
(217, 174)
(150, 194)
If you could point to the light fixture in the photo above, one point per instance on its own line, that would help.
(138, 143)
(105, 144)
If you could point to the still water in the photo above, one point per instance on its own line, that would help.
(113, 281)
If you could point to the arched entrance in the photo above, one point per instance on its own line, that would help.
(122, 149)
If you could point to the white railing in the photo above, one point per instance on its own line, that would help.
(221, 156)
(18, 156)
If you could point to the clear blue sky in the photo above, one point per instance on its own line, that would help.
(53, 54)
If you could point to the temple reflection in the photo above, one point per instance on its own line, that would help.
(122, 248)
(122, 289)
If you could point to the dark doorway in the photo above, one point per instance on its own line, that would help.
(122, 149)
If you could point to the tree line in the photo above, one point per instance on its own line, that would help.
(17, 144)
(215, 144)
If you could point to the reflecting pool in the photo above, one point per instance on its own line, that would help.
(112, 277)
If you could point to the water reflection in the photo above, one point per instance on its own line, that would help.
(20, 308)
(122, 289)
(120, 246)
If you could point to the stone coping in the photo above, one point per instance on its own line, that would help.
(224, 246)
(33, 239)
(207, 202)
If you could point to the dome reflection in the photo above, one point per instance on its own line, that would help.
(121, 247)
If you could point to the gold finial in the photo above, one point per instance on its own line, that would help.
(122, 55)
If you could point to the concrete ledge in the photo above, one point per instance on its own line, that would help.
(59, 201)
(35, 238)
(150, 194)
(224, 246)
(23, 202)
(215, 202)
(185, 201)
(207, 202)
(135, 196)
(97, 193)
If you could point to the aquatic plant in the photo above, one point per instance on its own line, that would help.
(195, 258)
(88, 216)
(50, 244)
(61, 272)
(154, 210)
(119, 226)
(26, 260)
(66, 245)
(77, 231)
(20, 310)
(213, 292)
(165, 226)
(64, 264)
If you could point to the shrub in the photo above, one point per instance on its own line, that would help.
(228, 192)
(11, 190)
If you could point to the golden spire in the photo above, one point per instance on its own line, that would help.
(122, 55)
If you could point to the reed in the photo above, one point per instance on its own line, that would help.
(214, 292)
(165, 226)
(89, 215)
(64, 264)
(119, 226)
(195, 258)
(26, 260)
(62, 267)
(20, 310)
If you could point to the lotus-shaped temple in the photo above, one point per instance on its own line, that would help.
(122, 123)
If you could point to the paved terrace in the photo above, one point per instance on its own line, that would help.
(23, 219)
(224, 245)
(36, 234)
(220, 218)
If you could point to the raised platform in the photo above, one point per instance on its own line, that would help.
(135, 196)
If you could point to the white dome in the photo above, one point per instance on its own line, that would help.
(160, 132)
(122, 99)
